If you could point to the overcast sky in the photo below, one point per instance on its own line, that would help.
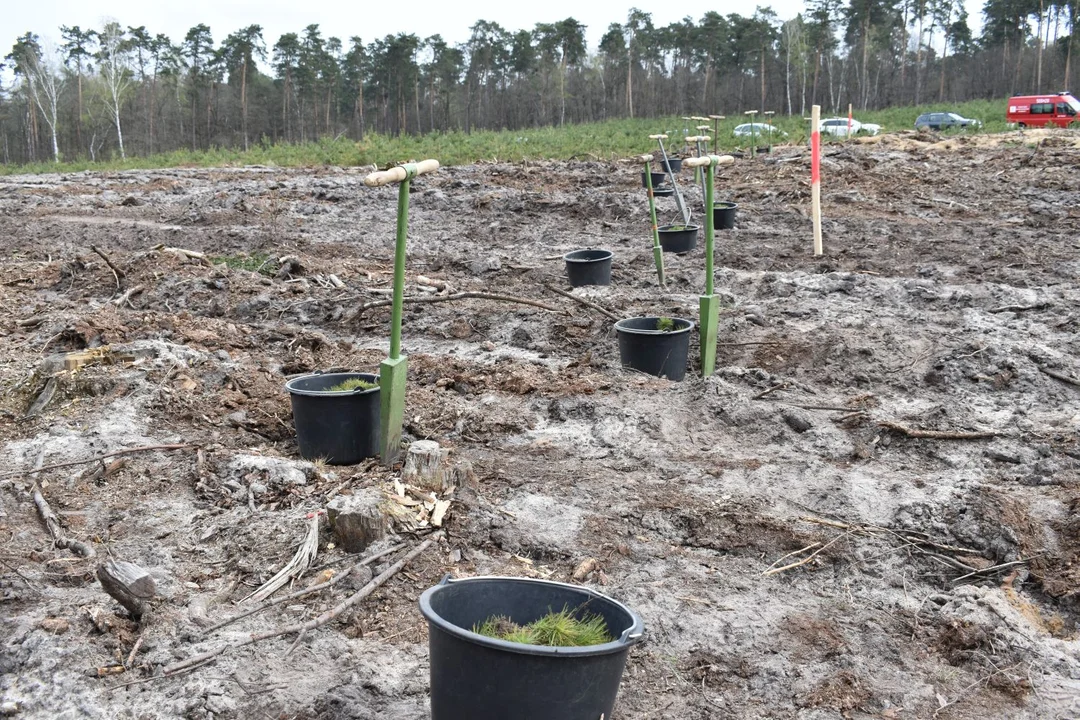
(365, 18)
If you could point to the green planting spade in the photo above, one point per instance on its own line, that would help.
(710, 304)
(657, 251)
(392, 370)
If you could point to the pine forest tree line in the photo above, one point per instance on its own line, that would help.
(119, 90)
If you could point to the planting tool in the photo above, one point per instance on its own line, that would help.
(753, 135)
(768, 119)
(667, 168)
(657, 251)
(716, 131)
(392, 370)
(815, 174)
(710, 303)
(701, 130)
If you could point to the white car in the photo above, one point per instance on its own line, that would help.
(838, 127)
(758, 129)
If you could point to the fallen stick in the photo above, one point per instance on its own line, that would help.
(196, 660)
(1019, 308)
(52, 522)
(460, 296)
(73, 463)
(603, 311)
(938, 434)
(994, 568)
(193, 254)
(808, 558)
(302, 593)
(128, 294)
(1059, 376)
(773, 389)
(117, 272)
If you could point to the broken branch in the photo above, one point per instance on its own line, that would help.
(197, 660)
(460, 296)
(603, 311)
(117, 272)
(938, 434)
(73, 463)
(1059, 376)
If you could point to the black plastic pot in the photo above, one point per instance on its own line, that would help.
(679, 240)
(643, 347)
(723, 214)
(341, 428)
(474, 677)
(663, 191)
(675, 163)
(588, 267)
(657, 178)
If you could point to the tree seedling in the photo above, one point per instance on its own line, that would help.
(665, 324)
(556, 629)
(352, 384)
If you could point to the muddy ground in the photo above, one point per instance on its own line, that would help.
(945, 572)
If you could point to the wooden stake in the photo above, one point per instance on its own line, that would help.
(815, 175)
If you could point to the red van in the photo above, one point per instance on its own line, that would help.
(1060, 109)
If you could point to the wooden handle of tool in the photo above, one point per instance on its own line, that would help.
(696, 138)
(703, 127)
(398, 174)
(658, 137)
(637, 159)
(706, 160)
(718, 117)
(698, 117)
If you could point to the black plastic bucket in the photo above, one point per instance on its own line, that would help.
(588, 267)
(723, 214)
(474, 677)
(643, 347)
(675, 163)
(657, 178)
(341, 428)
(678, 241)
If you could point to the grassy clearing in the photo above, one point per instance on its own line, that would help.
(604, 140)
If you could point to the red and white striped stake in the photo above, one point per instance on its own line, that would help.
(815, 175)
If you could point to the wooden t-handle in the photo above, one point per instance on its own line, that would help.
(698, 117)
(696, 138)
(706, 160)
(398, 174)
(637, 159)
(658, 137)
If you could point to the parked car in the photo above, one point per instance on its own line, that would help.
(945, 121)
(758, 129)
(1060, 109)
(838, 127)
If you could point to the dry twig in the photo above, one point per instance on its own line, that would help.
(460, 296)
(938, 434)
(73, 463)
(1059, 376)
(300, 562)
(603, 311)
(203, 658)
(117, 272)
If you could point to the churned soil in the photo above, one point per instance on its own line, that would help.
(870, 510)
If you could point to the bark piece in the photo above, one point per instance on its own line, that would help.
(358, 519)
(128, 584)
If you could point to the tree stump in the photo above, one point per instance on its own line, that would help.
(426, 466)
(128, 584)
(358, 519)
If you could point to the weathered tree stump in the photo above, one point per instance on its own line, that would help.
(427, 467)
(128, 584)
(358, 519)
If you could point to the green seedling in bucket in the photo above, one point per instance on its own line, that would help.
(392, 370)
(710, 304)
(556, 629)
(352, 384)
